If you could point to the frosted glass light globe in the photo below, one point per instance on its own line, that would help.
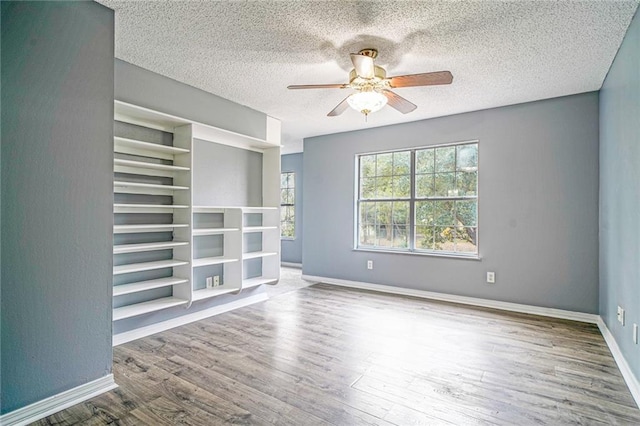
(367, 102)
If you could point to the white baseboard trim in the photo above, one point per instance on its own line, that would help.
(55, 403)
(291, 265)
(128, 336)
(474, 301)
(627, 374)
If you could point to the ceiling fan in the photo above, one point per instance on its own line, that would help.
(372, 86)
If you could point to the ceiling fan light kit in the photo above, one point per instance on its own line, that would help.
(372, 86)
(367, 102)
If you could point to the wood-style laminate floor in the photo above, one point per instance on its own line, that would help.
(327, 355)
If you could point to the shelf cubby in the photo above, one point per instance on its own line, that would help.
(147, 266)
(136, 309)
(140, 247)
(135, 287)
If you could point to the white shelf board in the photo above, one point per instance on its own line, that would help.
(134, 248)
(147, 146)
(248, 229)
(122, 184)
(147, 208)
(147, 266)
(219, 209)
(212, 231)
(258, 209)
(153, 166)
(205, 261)
(256, 254)
(210, 209)
(138, 286)
(130, 229)
(146, 307)
(151, 206)
(206, 293)
(254, 282)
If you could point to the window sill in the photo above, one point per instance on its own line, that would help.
(420, 253)
(287, 239)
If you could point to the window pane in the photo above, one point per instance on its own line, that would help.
(383, 235)
(445, 184)
(425, 161)
(291, 214)
(446, 159)
(425, 186)
(367, 235)
(400, 213)
(467, 158)
(368, 213)
(466, 212)
(402, 186)
(368, 188)
(383, 213)
(384, 187)
(424, 212)
(443, 213)
(283, 180)
(283, 196)
(400, 236)
(402, 163)
(384, 164)
(467, 183)
(466, 241)
(291, 195)
(368, 166)
(424, 237)
(287, 230)
(291, 180)
(444, 236)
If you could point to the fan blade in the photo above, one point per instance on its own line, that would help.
(425, 79)
(363, 65)
(317, 86)
(340, 108)
(398, 102)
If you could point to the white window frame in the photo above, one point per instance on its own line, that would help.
(411, 249)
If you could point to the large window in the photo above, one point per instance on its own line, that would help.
(287, 205)
(420, 200)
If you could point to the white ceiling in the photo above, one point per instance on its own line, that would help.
(500, 53)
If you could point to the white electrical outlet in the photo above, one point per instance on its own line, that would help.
(209, 282)
(635, 333)
(216, 280)
(369, 264)
(491, 277)
(620, 315)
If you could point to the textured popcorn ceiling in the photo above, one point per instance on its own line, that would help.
(500, 53)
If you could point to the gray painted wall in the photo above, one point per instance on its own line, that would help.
(292, 249)
(620, 194)
(142, 87)
(226, 176)
(57, 154)
(538, 205)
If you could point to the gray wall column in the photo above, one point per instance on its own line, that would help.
(57, 195)
(620, 195)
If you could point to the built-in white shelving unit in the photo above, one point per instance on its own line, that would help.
(167, 252)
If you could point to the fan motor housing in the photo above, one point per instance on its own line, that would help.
(379, 74)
